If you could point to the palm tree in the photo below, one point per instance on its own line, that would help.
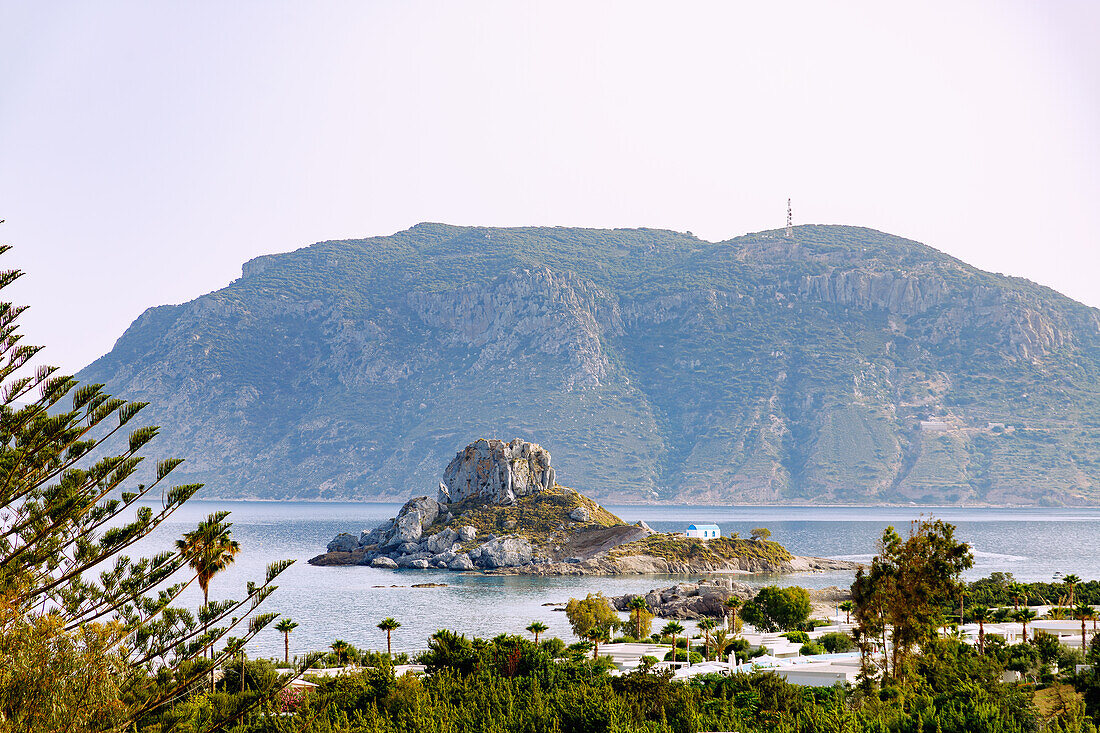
(340, 649)
(1016, 591)
(536, 628)
(1070, 581)
(981, 615)
(595, 635)
(732, 603)
(721, 640)
(1083, 612)
(284, 627)
(674, 629)
(637, 605)
(388, 625)
(1023, 616)
(209, 550)
(705, 625)
(848, 607)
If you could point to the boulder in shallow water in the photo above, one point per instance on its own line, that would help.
(505, 552)
(343, 542)
(461, 561)
(410, 522)
(383, 562)
(376, 535)
(444, 557)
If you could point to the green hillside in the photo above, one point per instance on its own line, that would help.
(654, 365)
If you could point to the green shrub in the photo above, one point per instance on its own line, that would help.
(809, 650)
(356, 691)
(776, 608)
(554, 646)
(836, 642)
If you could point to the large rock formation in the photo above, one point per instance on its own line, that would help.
(487, 472)
(508, 486)
(689, 600)
(497, 472)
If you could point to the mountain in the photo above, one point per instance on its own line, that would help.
(839, 365)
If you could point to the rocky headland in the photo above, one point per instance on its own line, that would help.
(500, 509)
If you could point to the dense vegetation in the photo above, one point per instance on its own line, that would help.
(1001, 589)
(920, 682)
(653, 365)
(512, 684)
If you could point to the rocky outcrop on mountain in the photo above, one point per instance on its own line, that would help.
(547, 313)
(662, 368)
(892, 292)
(497, 472)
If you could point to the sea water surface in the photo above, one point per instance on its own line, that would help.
(348, 602)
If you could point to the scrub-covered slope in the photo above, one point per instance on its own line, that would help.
(842, 364)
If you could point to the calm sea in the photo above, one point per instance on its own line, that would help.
(347, 603)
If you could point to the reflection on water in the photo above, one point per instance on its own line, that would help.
(347, 603)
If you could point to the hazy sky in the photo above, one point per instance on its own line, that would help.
(148, 149)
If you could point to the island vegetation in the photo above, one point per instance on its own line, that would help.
(679, 548)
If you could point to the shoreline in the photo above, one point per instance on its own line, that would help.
(663, 505)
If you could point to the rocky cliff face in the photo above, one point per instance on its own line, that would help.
(889, 291)
(497, 472)
(842, 364)
(540, 313)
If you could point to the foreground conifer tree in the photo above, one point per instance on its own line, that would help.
(89, 638)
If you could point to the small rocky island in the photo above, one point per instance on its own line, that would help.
(500, 509)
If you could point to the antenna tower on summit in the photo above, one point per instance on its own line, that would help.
(790, 221)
